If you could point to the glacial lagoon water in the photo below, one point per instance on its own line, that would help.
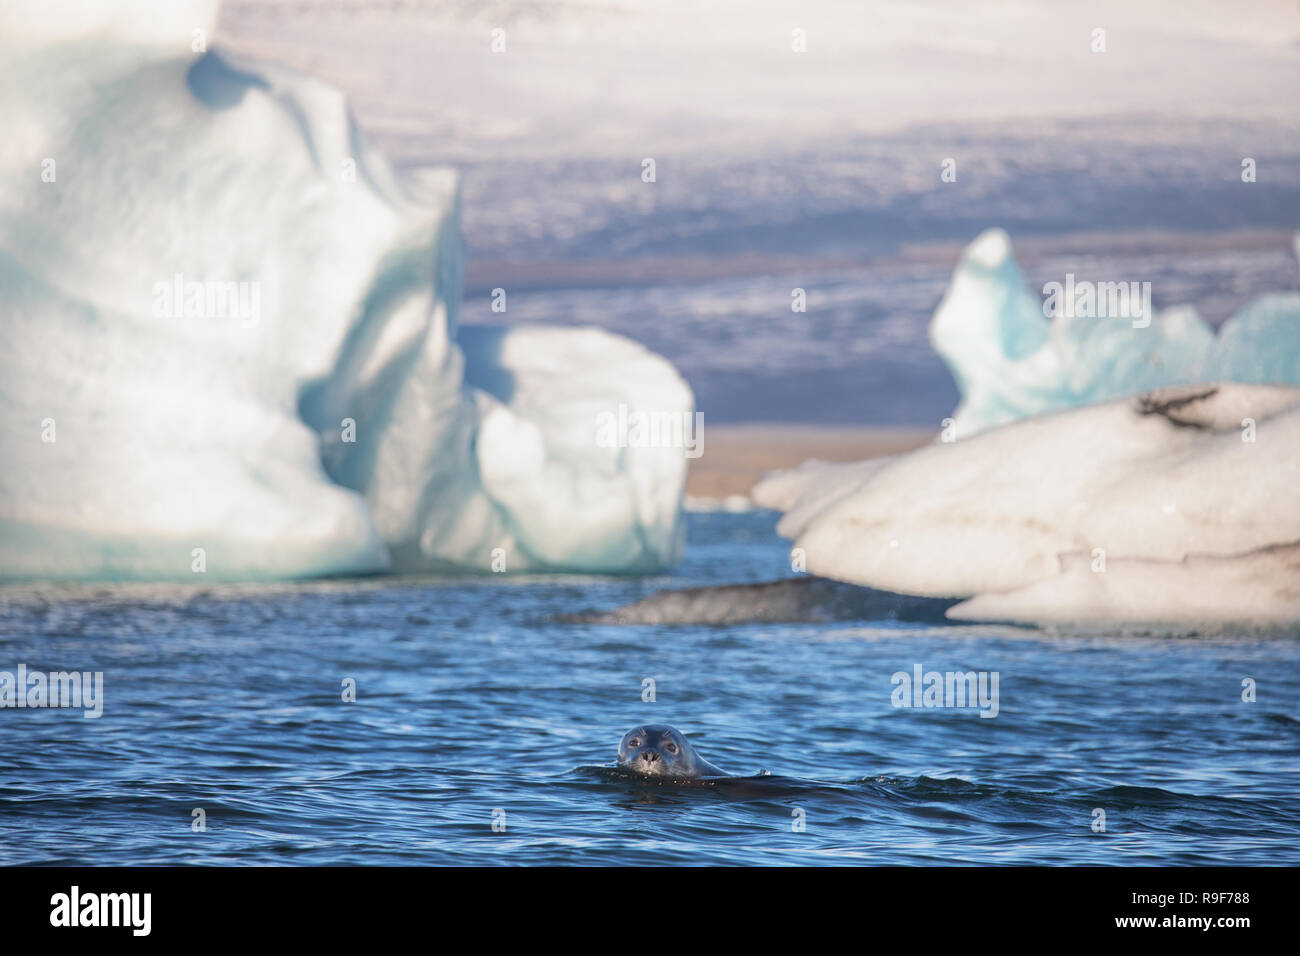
(481, 721)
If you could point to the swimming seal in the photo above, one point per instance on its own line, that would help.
(657, 751)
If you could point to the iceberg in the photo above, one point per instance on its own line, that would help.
(232, 344)
(1098, 469)
(1010, 362)
(1172, 506)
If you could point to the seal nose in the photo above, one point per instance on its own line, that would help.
(649, 756)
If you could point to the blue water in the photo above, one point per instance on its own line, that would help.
(471, 700)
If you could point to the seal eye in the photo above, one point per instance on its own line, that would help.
(671, 748)
(634, 742)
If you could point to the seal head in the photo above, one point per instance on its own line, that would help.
(654, 750)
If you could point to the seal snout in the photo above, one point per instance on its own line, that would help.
(650, 756)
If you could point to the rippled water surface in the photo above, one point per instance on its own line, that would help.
(473, 705)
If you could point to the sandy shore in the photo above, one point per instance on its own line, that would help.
(736, 456)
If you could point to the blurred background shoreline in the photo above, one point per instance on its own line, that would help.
(737, 456)
(820, 170)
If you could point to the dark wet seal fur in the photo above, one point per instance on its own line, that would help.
(654, 750)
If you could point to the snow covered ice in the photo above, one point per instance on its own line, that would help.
(231, 339)
(1159, 507)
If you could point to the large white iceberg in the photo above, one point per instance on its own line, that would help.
(1178, 505)
(231, 341)
(1011, 362)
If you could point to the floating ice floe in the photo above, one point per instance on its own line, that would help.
(1051, 498)
(231, 343)
(1176, 505)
